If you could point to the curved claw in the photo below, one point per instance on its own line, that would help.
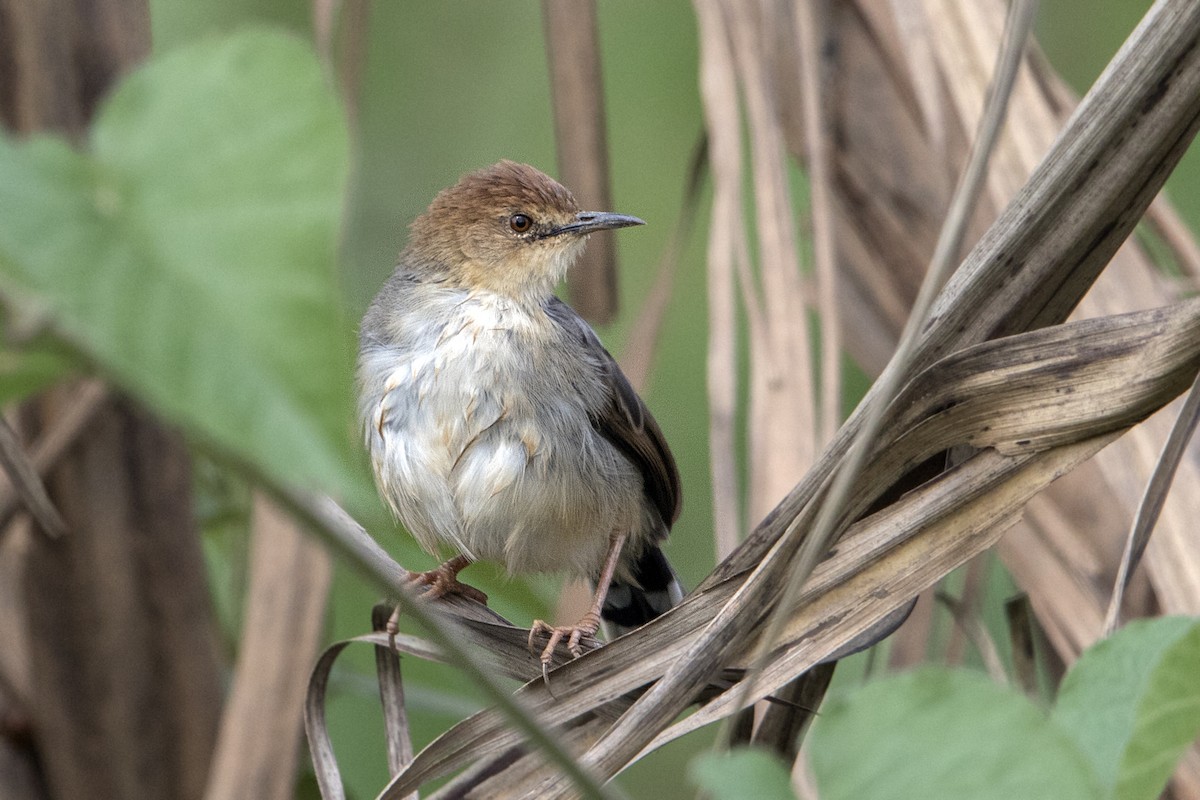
(572, 633)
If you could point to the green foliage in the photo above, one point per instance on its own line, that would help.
(1132, 704)
(190, 251)
(944, 733)
(742, 773)
(1124, 715)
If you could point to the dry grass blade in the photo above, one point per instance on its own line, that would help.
(320, 747)
(914, 30)
(996, 384)
(1058, 430)
(1067, 221)
(391, 698)
(520, 764)
(851, 607)
(1152, 501)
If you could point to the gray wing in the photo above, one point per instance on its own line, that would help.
(624, 420)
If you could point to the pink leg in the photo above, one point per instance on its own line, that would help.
(589, 623)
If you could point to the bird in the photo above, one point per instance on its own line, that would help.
(498, 426)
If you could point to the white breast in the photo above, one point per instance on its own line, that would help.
(481, 441)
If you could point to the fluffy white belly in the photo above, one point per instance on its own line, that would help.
(485, 448)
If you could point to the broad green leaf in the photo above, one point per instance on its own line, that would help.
(190, 253)
(741, 773)
(1132, 703)
(942, 733)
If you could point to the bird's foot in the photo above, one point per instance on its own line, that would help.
(443, 581)
(574, 634)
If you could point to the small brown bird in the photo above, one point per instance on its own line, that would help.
(498, 425)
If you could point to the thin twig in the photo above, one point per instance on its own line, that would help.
(973, 628)
(1152, 501)
(837, 488)
(46, 451)
(27, 484)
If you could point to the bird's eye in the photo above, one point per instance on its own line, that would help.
(520, 223)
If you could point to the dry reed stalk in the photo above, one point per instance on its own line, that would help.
(726, 250)
(817, 149)
(573, 50)
(256, 751)
(782, 424)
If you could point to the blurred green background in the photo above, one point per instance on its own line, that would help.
(450, 87)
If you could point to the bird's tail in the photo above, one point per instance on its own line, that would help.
(654, 590)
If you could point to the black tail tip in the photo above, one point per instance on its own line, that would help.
(655, 591)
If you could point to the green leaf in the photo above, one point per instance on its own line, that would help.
(741, 773)
(191, 252)
(942, 733)
(1132, 703)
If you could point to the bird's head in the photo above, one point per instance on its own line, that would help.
(508, 228)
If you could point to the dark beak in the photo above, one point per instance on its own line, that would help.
(591, 221)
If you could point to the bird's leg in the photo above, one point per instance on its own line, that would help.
(590, 622)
